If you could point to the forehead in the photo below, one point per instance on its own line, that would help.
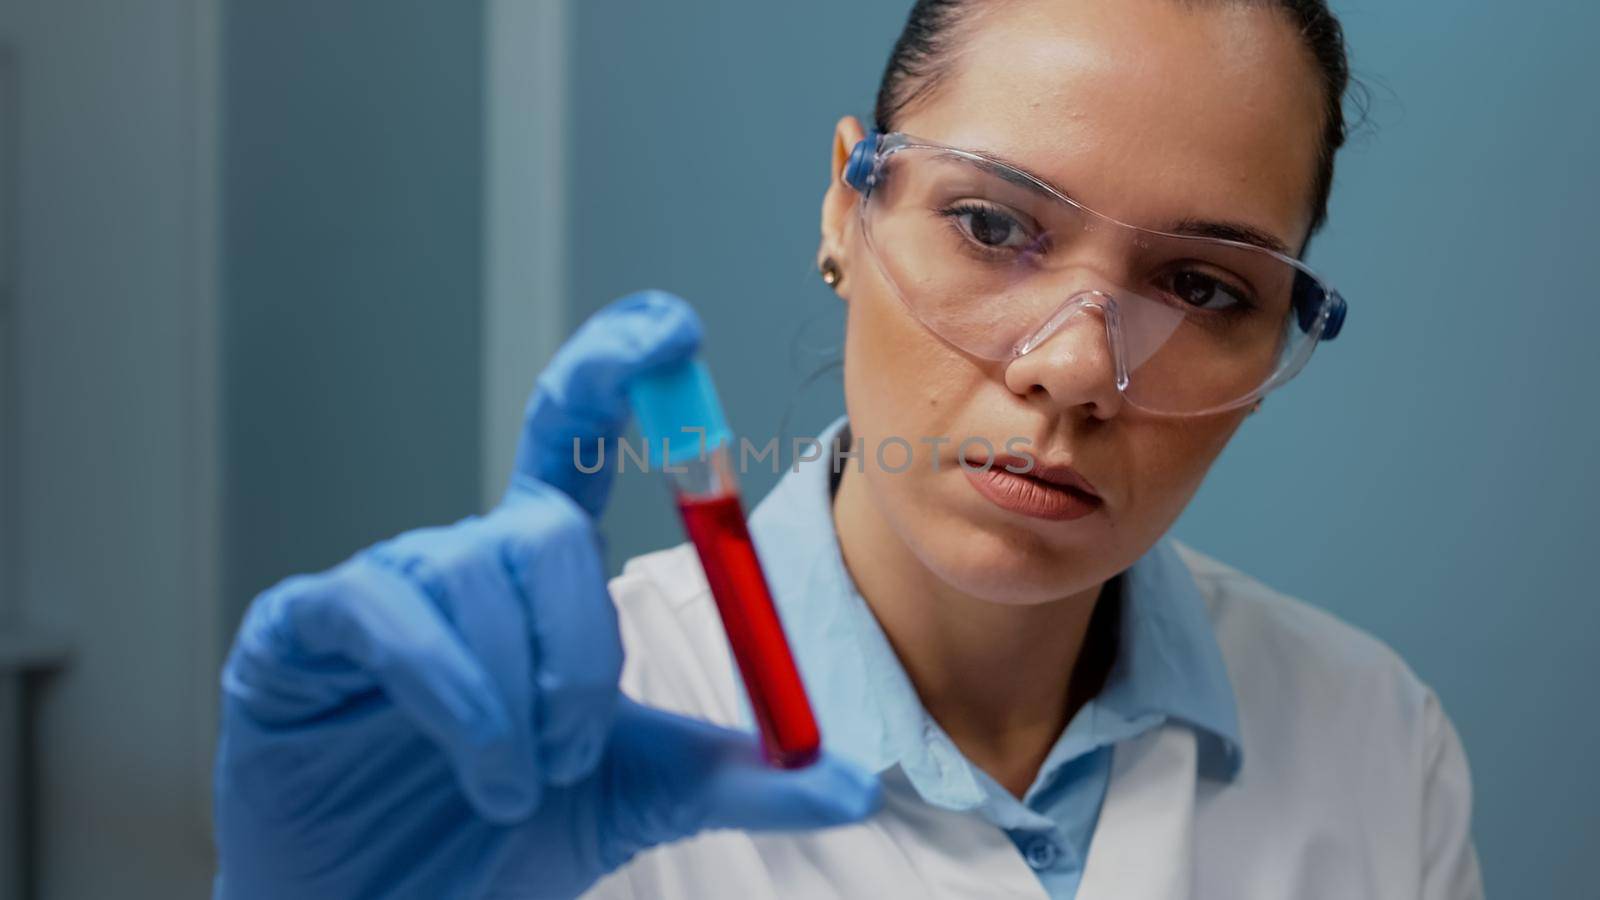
(1151, 111)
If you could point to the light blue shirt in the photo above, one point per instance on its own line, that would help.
(1167, 667)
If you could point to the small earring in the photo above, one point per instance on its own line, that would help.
(830, 272)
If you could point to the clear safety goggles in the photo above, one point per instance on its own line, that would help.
(997, 262)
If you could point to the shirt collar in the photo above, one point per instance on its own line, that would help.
(1168, 663)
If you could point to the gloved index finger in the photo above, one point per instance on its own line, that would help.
(581, 396)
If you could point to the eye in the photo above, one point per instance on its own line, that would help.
(989, 227)
(1202, 291)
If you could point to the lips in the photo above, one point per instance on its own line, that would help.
(1051, 492)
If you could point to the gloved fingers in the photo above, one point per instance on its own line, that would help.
(743, 791)
(550, 550)
(581, 395)
(272, 679)
(673, 776)
(387, 625)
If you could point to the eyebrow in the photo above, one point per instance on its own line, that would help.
(1228, 231)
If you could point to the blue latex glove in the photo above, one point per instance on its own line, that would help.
(439, 716)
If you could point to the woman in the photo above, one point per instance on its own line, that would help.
(1069, 256)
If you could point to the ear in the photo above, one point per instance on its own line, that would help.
(839, 203)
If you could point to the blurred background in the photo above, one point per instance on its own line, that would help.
(275, 278)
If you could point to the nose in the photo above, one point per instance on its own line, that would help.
(1068, 360)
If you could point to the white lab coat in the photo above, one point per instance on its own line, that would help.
(1353, 784)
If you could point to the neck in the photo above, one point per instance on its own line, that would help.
(1002, 680)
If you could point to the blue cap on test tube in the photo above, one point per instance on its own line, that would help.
(671, 402)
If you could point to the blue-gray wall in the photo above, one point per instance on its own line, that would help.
(112, 244)
(352, 153)
(1427, 479)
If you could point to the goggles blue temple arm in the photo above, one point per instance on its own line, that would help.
(1309, 300)
(858, 170)
(1336, 311)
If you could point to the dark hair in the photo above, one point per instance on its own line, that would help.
(923, 54)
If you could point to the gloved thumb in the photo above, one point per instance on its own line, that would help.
(580, 402)
(680, 776)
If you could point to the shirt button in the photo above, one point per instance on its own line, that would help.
(1040, 853)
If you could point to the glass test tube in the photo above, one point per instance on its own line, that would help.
(681, 419)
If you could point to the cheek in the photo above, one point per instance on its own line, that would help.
(1167, 461)
(902, 383)
(899, 379)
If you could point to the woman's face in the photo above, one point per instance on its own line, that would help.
(1152, 112)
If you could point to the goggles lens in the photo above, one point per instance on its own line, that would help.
(997, 264)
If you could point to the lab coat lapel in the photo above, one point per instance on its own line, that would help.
(1143, 845)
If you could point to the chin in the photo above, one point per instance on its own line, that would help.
(1012, 567)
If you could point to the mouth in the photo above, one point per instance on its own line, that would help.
(1051, 492)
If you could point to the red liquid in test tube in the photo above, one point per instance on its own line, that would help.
(717, 527)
